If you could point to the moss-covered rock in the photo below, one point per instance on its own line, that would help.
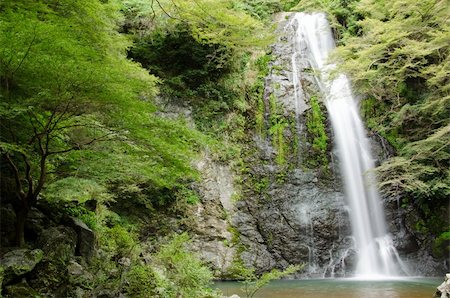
(20, 290)
(58, 243)
(19, 262)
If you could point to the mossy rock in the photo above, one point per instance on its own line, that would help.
(58, 243)
(20, 290)
(19, 262)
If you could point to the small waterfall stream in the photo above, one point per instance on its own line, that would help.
(377, 256)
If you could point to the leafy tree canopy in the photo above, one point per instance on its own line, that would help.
(210, 21)
(72, 104)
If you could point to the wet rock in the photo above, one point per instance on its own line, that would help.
(18, 262)
(301, 219)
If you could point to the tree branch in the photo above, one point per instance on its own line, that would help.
(28, 177)
(26, 53)
(41, 181)
(78, 146)
(165, 12)
(16, 175)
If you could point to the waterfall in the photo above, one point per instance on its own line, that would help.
(377, 256)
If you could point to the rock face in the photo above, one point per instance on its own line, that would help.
(291, 213)
(413, 246)
(300, 218)
(297, 222)
(212, 238)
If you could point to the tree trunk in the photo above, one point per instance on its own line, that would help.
(21, 216)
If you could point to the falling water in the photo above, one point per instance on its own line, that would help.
(376, 255)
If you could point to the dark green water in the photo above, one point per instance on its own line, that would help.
(340, 288)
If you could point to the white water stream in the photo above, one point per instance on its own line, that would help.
(377, 256)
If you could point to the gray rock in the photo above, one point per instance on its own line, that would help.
(85, 238)
(78, 275)
(58, 243)
(74, 268)
(19, 262)
(212, 239)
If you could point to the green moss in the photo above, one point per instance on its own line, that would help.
(278, 125)
(441, 245)
(261, 185)
(317, 135)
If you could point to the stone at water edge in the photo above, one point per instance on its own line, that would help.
(443, 291)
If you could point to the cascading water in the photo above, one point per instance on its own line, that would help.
(376, 255)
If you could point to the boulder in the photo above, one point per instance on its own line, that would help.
(78, 275)
(36, 223)
(85, 238)
(21, 290)
(19, 262)
(58, 243)
(443, 291)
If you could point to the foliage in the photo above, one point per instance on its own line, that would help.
(342, 15)
(251, 283)
(77, 117)
(141, 281)
(260, 9)
(210, 22)
(441, 245)
(170, 270)
(76, 189)
(421, 168)
(278, 125)
(180, 59)
(316, 127)
(183, 273)
(118, 241)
